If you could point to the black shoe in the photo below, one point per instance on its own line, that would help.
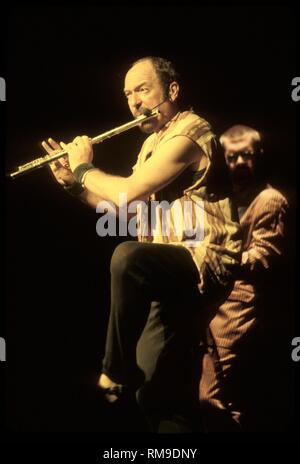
(114, 393)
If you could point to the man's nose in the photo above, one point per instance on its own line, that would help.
(240, 160)
(136, 101)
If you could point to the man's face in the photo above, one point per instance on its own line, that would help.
(144, 90)
(240, 159)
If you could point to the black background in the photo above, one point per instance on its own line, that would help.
(64, 69)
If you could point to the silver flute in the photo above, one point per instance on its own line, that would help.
(43, 160)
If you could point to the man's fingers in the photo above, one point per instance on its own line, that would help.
(64, 145)
(46, 147)
(69, 147)
(77, 140)
(54, 144)
(52, 150)
(87, 141)
(82, 139)
(55, 165)
(51, 147)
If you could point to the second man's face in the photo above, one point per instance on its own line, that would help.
(240, 159)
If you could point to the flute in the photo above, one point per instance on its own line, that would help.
(43, 160)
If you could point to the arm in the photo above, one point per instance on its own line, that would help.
(90, 198)
(62, 173)
(267, 240)
(170, 160)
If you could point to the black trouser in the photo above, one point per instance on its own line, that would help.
(140, 274)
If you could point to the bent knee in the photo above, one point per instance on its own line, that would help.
(123, 256)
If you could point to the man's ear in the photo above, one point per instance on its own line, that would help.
(173, 91)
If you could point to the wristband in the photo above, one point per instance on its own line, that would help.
(81, 170)
(83, 177)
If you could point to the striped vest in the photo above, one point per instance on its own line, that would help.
(194, 210)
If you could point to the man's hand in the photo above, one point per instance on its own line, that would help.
(79, 151)
(60, 167)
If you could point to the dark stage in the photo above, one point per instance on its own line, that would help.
(64, 69)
